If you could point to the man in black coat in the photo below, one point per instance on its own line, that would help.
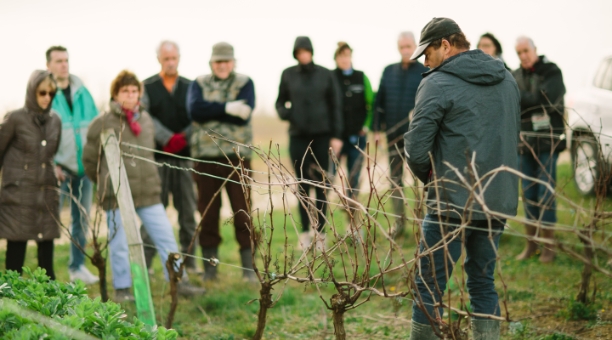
(309, 98)
(542, 138)
(165, 97)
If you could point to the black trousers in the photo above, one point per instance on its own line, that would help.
(210, 236)
(308, 167)
(16, 252)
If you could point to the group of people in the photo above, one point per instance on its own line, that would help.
(461, 109)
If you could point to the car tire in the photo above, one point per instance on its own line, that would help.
(587, 163)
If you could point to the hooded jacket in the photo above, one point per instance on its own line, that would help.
(467, 108)
(143, 176)
(542, 92)
(29, 197)
(309, 98)
(75, 123)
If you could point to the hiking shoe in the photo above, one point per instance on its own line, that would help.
(83, 274)
(186, 289)
(320, 242)
(123, 295)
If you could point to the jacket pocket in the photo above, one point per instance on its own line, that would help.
(9, 193)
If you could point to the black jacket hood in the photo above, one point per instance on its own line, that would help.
(475, 67)
(302, 42)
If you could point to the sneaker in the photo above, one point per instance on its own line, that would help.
(186, 289)
(304, 241)
(124, 295)
(83, 274)
(320, 241)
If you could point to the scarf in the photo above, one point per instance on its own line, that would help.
(134, 125)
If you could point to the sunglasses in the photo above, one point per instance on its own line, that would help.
(44, 93)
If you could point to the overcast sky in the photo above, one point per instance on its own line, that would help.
(104, 37)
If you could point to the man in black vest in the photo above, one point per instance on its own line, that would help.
(165, 97)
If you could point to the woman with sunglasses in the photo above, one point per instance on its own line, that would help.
(29, 196)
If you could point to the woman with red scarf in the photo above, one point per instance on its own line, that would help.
(132, 126)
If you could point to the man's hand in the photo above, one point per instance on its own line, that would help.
(176, 143)
(238, 108)
(336, 145)
(59, 173)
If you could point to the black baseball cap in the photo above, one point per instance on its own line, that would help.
(437, 28)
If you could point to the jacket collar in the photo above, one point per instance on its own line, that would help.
(116, 109)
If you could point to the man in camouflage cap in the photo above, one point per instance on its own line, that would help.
(220, 105)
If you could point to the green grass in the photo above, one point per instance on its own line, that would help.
(539, 297)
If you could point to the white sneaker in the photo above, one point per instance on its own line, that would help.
(304, 241)
(84, 275)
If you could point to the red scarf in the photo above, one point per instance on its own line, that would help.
(134, 125)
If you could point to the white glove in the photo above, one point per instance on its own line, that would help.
(238, 108)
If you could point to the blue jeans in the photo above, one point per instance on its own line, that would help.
(354, 161)
(538, 201)
(158, 227)
(80, 187)
(479, 265)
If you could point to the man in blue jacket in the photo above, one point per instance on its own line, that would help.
(77, 109)
(394, 101)
(466, 124)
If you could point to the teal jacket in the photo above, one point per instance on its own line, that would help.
(74, 125)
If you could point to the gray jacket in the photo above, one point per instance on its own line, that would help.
(469, 105)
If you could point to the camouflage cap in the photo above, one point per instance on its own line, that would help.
(222, 51)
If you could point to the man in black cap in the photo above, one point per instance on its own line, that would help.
(466, 124)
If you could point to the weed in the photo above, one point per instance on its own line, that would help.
(556, 336)
(580, 311)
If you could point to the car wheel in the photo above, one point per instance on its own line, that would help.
(586, 161)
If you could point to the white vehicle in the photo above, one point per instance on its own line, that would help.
(590, 135)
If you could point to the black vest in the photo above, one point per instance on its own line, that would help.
(169, 108)
(353, 101)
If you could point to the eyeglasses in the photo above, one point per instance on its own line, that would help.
(44, 93)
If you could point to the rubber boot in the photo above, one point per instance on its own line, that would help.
(421, 331)
(184, 288)
(548, 251)
(400, 222)
(210, 271)
(531, 246)
(246, 259)
(483, 329)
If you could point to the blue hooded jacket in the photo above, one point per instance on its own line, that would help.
(467, 116)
